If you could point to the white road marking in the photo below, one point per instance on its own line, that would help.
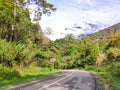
(55, 82)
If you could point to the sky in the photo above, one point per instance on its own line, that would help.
(79, 12)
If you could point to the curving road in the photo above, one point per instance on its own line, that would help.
(66, 80)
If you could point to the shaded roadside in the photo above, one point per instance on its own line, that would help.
(99, 83)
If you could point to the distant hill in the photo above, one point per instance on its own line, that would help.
(106, 33)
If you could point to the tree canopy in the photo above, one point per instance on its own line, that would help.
(15, 21)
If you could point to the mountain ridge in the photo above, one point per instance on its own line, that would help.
(105, 34)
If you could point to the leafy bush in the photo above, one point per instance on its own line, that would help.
(8, 73)
(115, 40)
(114, 69)
(42, 58)
(113, 54)
(89, 52)
(12, 54)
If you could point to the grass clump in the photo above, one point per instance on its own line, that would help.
(24, 75)
(109, 74)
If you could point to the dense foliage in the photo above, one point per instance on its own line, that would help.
(21, 40)
(23, 44)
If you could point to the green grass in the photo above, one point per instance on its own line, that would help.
(107, 78)
(28, 74)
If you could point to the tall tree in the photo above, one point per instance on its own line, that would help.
(39, 7)
(15, 22)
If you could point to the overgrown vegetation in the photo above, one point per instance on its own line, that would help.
(16, 76)
(25, 51)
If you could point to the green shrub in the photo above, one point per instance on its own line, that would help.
(113, 54)
(114, 69)
(15, 54)
(8, 73)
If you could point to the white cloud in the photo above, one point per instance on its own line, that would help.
(79, 1)
(66, 17)
(90, 2)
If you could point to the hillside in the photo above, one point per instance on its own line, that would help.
(105, 33)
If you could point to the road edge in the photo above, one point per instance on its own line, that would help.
(28, 83)
(98, 82)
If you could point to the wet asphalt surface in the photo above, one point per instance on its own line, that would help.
(66, 80)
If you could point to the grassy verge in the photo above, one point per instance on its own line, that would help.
(27, 74)
(107, 78)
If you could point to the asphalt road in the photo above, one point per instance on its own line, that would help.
(66, 80)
